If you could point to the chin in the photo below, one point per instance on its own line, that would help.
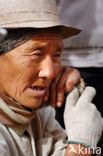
(34, 103)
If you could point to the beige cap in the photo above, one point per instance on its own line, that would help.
(34, 14)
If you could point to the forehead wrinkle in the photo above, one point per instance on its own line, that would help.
(45, 42)
(49, 39)
(32, 45)
(37, 44)
(42, 42)
(48, 34)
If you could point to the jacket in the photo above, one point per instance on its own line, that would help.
(44, 137)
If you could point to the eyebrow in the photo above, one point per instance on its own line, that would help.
(37, 45)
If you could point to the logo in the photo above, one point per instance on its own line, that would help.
(83, 150)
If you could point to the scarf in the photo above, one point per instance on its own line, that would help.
(14, 115)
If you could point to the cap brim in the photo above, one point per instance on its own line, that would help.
(66, 30)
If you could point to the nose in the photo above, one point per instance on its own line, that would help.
(47, 69)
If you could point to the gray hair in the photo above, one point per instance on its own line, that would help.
(16, 37)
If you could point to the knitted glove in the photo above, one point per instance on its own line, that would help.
(83, 121)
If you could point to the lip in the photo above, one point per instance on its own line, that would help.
(38, 93)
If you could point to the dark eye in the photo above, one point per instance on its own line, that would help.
(57, 55)
(37, 54)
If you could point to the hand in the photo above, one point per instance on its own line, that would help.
(62, 84)
(83, 121)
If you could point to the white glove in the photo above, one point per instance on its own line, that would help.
(83, 121)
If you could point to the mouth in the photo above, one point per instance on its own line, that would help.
(38, 90)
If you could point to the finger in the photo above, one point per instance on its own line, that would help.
(69, 86)
(73, 78)
(60, 97)
(87, 96)
(72, 98)
(53, 95)
(93, 107)
(60, 89)
(66, 84)
(45, 98)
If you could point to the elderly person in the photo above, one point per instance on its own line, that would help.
(30, 67)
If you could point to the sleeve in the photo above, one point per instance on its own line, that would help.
(53, 142)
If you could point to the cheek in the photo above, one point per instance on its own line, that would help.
(30, 71)
(25, 74)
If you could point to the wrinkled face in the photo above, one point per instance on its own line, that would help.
(26, 72)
